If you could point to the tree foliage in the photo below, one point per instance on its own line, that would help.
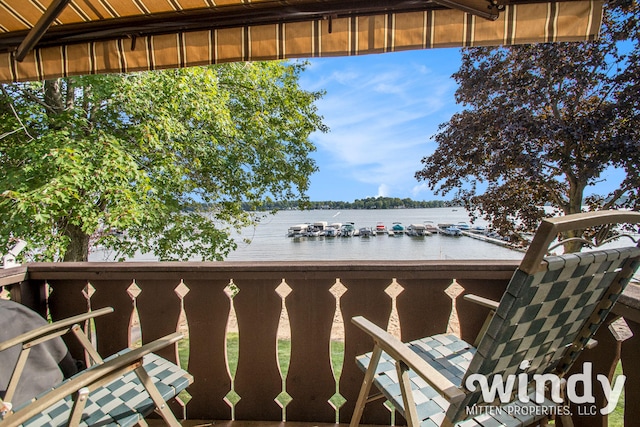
(540, 124)
(127, 161)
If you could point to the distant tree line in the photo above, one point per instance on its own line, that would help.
(368, 203)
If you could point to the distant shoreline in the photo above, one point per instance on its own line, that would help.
(372, 203)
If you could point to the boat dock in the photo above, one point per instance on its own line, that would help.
(498, 242)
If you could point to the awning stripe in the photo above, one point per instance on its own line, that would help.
(149, 48)
(38, 61)
(141, 6)
(213, 46)
(353, 39)
(588, 35)
(246, 43)
(316, 35)
(43, 9)
(180, 60)
(280, 41)
(524, 23)
(110, 10)
(470, 26)
(16, 15)
(553, 21)
(81, 13)
(122, 57)
(509, 25)
(65, 61)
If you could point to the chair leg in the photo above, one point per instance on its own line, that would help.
(366, 387)
(161, 406)
(410, 412)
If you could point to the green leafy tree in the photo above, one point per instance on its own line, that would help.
(540, 124)
(156, 162)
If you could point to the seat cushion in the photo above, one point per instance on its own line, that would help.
(450, 356)
(122, 402)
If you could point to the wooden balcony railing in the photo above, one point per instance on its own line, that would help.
(309, 304)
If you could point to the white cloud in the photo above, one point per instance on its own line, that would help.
(419, 190)
(381, 115)
(383, 190)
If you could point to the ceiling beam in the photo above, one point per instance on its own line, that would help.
(41, 27)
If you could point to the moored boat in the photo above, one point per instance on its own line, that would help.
(463, 226)
(348, 229)
(333, 230)
(365, 232)
(397, 228)
(417, 230)
(430, 227)
(298, 230)
(452, 230)
(317, 229)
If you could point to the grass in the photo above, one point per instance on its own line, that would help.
(284, 357)
(616, 418)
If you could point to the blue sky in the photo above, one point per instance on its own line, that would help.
(382, 111)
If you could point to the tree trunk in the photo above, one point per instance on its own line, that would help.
(576, 194)
(78, 249)
(57, 97)
(53, 97)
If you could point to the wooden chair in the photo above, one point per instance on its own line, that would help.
(551, 309)
(119, 390)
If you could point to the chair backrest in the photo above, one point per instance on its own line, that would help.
(552, 306)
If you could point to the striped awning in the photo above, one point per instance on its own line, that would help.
(42, 39)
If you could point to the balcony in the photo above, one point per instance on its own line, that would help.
(306, 304)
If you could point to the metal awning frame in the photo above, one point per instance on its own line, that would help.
(261, 13)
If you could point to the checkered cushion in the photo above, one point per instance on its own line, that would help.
(451, 357)
(122, 402)
(542, 315)
(544, 319)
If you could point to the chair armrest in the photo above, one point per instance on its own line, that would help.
(485, 302)
(488, 303)
(399, 351)
(52, 330)
(97, 375)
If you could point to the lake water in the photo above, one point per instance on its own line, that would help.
(269, 241)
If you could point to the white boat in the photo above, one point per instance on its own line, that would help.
(380, 228)
(333, 230)
(452, 230)
(430, 227)
(417, 230)
(463, 226)
(298, 230)
(316, 229)
(366, 232)
(348, 229)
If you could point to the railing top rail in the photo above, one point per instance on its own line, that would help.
(629, 302)
(278, 265)
(9, 276)
(437, 268)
